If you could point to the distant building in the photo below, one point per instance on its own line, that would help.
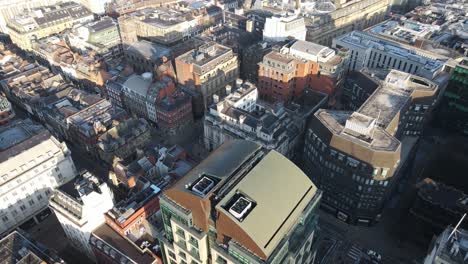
(80, 206)
(450, 247)
(11, 63)
(327, 22)
(218, 214)
(167, 25)
(100, 36)
(240, 115)
(206, 71)
(44, 21)
(6, 111)
(123, 140)
(283, 75)
(128, 235)
(9, 10)
(32, 164)
(280, 27)
(373, 52)
(454, 106)
(357, 157)
(95, 6)
(17, 247)
(120, 7)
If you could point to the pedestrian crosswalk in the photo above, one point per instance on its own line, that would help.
(354, 252)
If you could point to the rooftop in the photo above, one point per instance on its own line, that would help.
(123, 132)
(149, 50)
(17, 248)
(120, 248)
(206, 53)
(282, 211)
(126, 208)
(396, 90)
(432, 62)
(312, 51)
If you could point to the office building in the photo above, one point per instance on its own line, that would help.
(328, 22)
(357, 157)
(241, 115)
(218, 214)
(96, 6)
(299, 65)
(373, 52)
(79, 206)
(358, 86)
(101, 37)
(453, 113)
(450, 247)
(206, 71)
(6, 111)
(124, 139)
(144, 56)
(10, 9)
(18, 247)
(33, 164)
(44, 21)
(283, 26)
(167, 25)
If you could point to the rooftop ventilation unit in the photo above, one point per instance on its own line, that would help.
(240, 207)
(203, 186)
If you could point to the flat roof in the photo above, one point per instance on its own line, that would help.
(281, 192)
(125, 248)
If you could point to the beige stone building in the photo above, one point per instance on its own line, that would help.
(348, 16)
(44, 21)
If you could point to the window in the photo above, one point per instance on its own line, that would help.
(5, 218)
(384, 172)
(22, 207)
(31, 202)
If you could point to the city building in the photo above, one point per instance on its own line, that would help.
(17, 247)
(282, 26)
(437, 205)
(123, 140)
(30, 87)
(356, 158)
(143, 55)
(101, 37)
(96, 6)
(117, 8)
(168, 24)
(240, 115)
(44, 21)
(374, 52)
(206, 71)
(80, 206)
(128, 234)
(285, 74)
(32, 164)
(453, 112)
(174, 113)
(11, 63)
(10, 9)
(448, 18)
(326, 22)
(450, 247)
(406, 31)
(80, 118)
(218, 214)
(6, 111)
(251, 57)
(357, 88)
(88, 70)
(159, 165)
